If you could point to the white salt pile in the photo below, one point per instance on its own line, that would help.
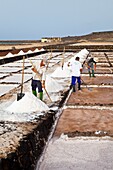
(52, 85)
(21, 53)
(82, 55)
(9, 55)
(28, 104)
(59, 72)
(65, 72)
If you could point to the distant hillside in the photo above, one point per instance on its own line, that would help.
(95, 36)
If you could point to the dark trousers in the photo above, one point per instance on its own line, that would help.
(73, 82)
(74, 79)
(36, 84)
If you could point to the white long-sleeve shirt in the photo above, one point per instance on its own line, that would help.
(76, 66)
(41, 70)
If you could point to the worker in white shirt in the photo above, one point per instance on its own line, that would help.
(38, 79)
(76, 70)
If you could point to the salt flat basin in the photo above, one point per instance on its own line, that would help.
(93, 96)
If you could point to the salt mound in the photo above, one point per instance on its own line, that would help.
(61, 73)
(29, 103)
(52, 85)
(65, 72)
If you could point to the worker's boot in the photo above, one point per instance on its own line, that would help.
(41, 95)
(71, 86)
(89, 73)
(79, 88)
(93, 75)
(34, 92)
(74, 88)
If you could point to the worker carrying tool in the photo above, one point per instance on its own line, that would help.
(91, 65)
(39, 77)
(76, 69)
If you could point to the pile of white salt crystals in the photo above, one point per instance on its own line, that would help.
(52, 85)
(28, 104)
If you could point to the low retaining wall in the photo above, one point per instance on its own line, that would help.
(30, 147)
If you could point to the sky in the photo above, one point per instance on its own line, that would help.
(34, 19)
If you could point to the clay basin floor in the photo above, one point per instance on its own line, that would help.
(87, 111)
(92, 96)
(85, 120)
(98, 80)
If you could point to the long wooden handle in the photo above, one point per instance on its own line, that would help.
(49, 60)
(22, 74)
(62, 61)
(47, 94)
(108, 59)
(40, 80)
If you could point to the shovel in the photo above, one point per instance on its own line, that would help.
(21, 94)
